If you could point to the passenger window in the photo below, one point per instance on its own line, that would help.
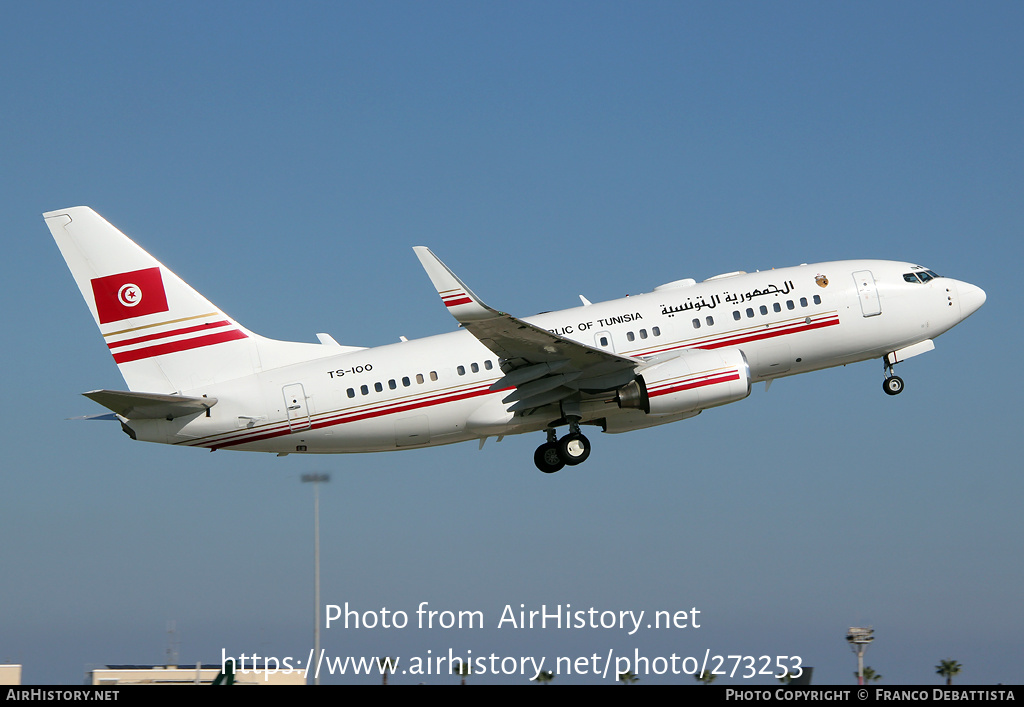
(378, 387)
(406, 382)
(351, 392)
(777, 307)
(763, 309)
(656, 331)
(461, 370)
(488, 365)
(475, 367)
(643, 333)
(817, 299)
(803, 301)
(709, 320)
(393, 384)
(419, 378)
(433, 375)
(736, 315)
(696, 324)
(629, 336)
(790, 305)
(364, 390)
(750, 312)
(604, 341)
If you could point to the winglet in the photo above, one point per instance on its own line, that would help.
(464, 305)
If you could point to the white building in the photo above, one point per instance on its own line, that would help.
(199, 674)
(10, 674)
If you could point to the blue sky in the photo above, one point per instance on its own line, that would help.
(283, 160)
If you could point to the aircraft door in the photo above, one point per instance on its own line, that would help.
(296, 407)
(867, 293)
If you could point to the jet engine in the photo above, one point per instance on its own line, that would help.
(690, 381)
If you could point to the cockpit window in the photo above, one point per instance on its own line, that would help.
(920, 276)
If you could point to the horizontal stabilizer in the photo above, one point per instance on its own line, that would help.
(149, 406)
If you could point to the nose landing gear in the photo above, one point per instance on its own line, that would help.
(572, 449)
(891, 384)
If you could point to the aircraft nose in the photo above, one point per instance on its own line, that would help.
(971, 299)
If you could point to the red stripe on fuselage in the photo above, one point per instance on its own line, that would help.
(726, 340)
(339, 418)
(769, 334)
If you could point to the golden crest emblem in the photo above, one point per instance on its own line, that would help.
(821, 280)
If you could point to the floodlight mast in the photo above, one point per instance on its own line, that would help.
(316, 480)
(859, 639)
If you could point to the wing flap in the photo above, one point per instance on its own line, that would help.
(541, 385)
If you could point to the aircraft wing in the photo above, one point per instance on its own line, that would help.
(149, 406)
(543, 367)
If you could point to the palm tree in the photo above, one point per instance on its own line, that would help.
(463, 670)
(948, 668)
(544, 677)
(386, 664)
(869, 675)
(705, 677)
(628, 678)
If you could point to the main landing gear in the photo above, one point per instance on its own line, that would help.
(892, 384)
(556, 453)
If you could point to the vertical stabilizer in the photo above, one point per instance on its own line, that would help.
(163, 335)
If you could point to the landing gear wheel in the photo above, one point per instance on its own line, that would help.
(574, 449)
(547, 458)
(893, 385)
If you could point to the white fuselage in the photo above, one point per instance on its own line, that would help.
(437, 390)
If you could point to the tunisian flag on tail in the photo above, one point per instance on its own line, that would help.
(129, 294)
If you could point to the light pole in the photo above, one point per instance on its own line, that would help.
(316, 479)
(859, 639)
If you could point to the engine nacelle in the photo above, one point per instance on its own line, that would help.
(692, 381)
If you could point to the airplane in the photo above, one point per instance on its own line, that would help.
(198, 378)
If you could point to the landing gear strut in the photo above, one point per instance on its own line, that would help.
(572, 449)
(892, 384)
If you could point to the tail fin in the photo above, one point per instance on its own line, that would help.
(163, 335)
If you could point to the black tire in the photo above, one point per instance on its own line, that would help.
(547, 458)
(574, 449)
(893, 385)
